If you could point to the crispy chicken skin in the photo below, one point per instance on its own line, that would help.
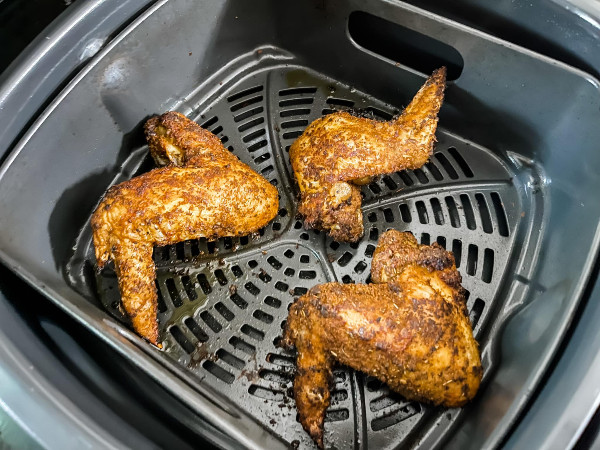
(204, 191)
(410, 330)
(339, 151)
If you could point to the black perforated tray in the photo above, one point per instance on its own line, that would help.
(223, 304)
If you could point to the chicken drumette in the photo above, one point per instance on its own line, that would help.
(204, 191)
(339, 151)
(410, 330)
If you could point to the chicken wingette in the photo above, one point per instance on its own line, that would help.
(339, 151)
(410, 329)
(204, 191)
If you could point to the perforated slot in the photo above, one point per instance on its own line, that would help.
(500, 214)
(252, 332)
(247, 102)
(198, 332)
(395, 417)
(242, 345)
(173, 293)
(181, 339)
(218, 371)
(210, 320)
(224, 311)
(461, 162)
(267, 394)
(230, 359)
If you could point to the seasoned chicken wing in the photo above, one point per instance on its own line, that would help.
(410, 330)
(339, 151)
(204, 191)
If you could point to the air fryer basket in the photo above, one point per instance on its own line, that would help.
(507, 191)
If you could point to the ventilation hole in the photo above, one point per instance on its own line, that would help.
(224, 139)
(453, 212)
(189, 287)
(244, 240)
(276, 225)
(181, 339)
(486, 220)
(244, 93)
(327, 111)
(336, 415)
(252, 264)
(276, 377)
(238, 301)
(294, 112)
(247, 102)
(288, 253)
(247, 114)
(272, 302)
(379, 113)
(262, 158)
(294, 123)
(210, 122)
(281, 360)
(395, 417)
(220, 277)
(345, 259)
(252, 123)
(218, 371)
(472, 259)
(340, 102)
(304, 259)
(375, 189)
(373, 384)
(382, 402)
(274, 262)
(406, 179)
(211, 247)
(307, 274)
(298, 90)
(425, 239)
(461, 162)
(500, 214)
(255, 134)
(173, 293)
(224, 311)
(421, 176)
(241, 345)
(304, 236)
(405, 213)
(267, 394)
(204, 284)
(227, 243)
(339, 396)
(389, 215)
(468, 210)
(446, 165)
(360, 267)
(391, 184)
(373, 234)
(334, 245)
(252, 332)
(287, 148)
(438, 214)
(289, 272)
(488, 265)
(298, 291)
(217, 130)
(296, 101)
(338, 377)
(434, 171)
(161, 305)
(256, 146)
(263, 316)
(372, 217)
(441, 240)
(347, 279)
(297, 225)
(252, 288)
(369, 251)
(467, 294)
(180, 251)
(195, 329)
(230, 359)
(476, 311)
(209, 320)
(281, 286)
(264, 276)
(291, 134)
(422, 212)
(237, 271)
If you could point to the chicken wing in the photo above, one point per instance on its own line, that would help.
(339, 151)
(410, 330)
(204, 191)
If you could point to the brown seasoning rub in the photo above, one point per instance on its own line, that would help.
(410, 330)
(339, 151)
(204, 191)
